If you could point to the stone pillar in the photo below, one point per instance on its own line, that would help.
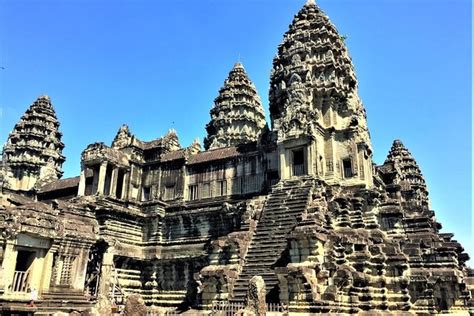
(312, 159)
(113, 181)
(102, 174)
(185, 194)
(80, 267)
(186, 273)
(282, 161)
(106, 272)
(8, 264)
(95, 180)
(47, 271)
(82, 181)
(1, 269)
(336, 172)
(355, 160)
(125, 184)
(256, 292)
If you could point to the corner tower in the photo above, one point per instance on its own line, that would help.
(401, 170)
(315, 109)
(237, 116)
(33, 152)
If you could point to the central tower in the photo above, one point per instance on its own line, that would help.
(315, 109)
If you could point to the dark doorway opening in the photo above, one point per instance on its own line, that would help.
(119, 184)
(24, 260)
(347, 166)
(298, 162)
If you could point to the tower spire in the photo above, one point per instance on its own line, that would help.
(237, 116)
(313, 92)
(33, 151)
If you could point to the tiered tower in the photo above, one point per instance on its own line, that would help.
(314, 104)
(435, 259)
(237, 116)
(406, 172)
(33, 152)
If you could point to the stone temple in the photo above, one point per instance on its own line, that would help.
(294, 219)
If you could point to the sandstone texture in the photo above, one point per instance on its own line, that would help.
(287, 219)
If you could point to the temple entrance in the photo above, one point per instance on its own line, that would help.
(22, 273)
(298, 168)
(94, 267)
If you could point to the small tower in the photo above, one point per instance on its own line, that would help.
(315, 109)
(33, 152)
(406, 174)
(237, 116)
(123, 138)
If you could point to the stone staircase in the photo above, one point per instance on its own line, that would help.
(284, 206)
(64, 300)
(170, 298)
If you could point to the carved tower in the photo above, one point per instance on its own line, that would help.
(315, 109)
(33, 152)
(401, 172)
(237, 116)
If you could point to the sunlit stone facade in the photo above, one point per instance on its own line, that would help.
(294, 217)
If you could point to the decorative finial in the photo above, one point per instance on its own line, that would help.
(171, 131)
(238, 65)
(397, 143)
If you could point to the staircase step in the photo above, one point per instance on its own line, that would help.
(280, 215)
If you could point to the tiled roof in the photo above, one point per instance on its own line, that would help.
(215, 154)
(60, 185)
(173, 155)
(148, 145)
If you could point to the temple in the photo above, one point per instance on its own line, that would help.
(293, 218)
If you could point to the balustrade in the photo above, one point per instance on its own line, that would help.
(20, 281)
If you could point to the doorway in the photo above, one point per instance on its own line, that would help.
(24, 261)
(298, 162)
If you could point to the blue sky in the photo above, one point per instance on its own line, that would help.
(157, 65)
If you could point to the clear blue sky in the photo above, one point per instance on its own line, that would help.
(159, 64)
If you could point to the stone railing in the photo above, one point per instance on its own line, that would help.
(225, 308)
(20, 281)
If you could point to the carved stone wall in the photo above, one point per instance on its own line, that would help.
(300, 209)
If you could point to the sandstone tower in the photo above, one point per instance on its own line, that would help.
(314, 104)
(33, 152)
(295, 219)
(237, 116)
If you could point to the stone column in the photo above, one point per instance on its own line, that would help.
(282, 162)
(80, 269)
(82, 181)
(113, 181)
(37, 269)
(255, 301)
(185, 183)
(125, 184)
(47, 271)
(1, 269)
(336, 172)
(186, 273)
(106, 272)
(102, 174)
(355, 160)
(8, 264)
(312, 159)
